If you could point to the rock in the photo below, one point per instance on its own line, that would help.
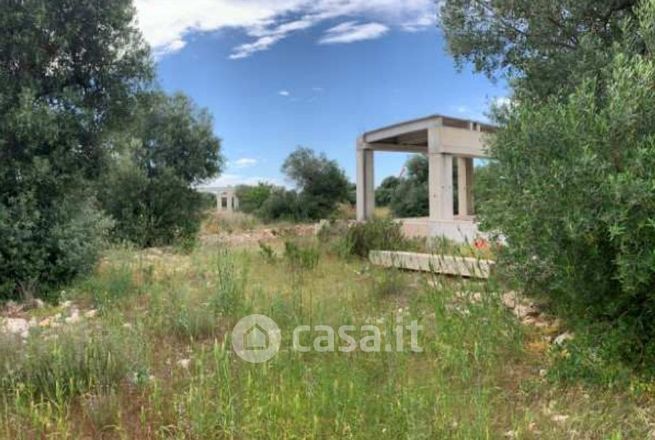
(472, 297)
(184, 363)
(559, 418)
(561, 339)
(510, 300)
(74, 318)
(16, 326)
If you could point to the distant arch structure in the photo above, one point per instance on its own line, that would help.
(226, 198)
(447, 142)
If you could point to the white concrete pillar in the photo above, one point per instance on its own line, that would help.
(465, 186)
(365, 182)
(470, 176)
(440, 178)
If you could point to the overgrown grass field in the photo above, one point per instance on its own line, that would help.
(156, 360)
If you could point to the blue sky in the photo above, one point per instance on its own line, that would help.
(314, 74)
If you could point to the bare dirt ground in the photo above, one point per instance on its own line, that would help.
(254, 236)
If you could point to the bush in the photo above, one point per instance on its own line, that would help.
(58, 102)
(149, 189)
(411, 196)
(282, 205)
(381, 234)
(229, 298)
(572, 193)
(43, 249)
(251, 198)
(323, 184)
(157, 211)
(301, 257)
(385, 192)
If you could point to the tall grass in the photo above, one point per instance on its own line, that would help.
(157, 362)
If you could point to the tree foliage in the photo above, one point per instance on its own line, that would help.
(412, 196)
(384, 193)
(547, 47)
(321, 182)
(252, 197)
(149, 190)
(571, 184)
(69, 73)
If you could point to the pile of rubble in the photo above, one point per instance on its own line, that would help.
(16, 321)
(529, 313)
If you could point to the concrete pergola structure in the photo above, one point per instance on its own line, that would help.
(226, 198)
(445, 140)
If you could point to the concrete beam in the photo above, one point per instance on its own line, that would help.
(462, 142)
(400, 129)
(399, 148)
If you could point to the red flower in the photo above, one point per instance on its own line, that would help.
(481, 243)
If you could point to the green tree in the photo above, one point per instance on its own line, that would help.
(384, 193)
(570, 190)
(322, 183)
(412, 196)
(251, 198)
(149, 191)
(69, 72)
(282, 204)
(545, 47)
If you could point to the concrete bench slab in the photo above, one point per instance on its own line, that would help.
(443, 264)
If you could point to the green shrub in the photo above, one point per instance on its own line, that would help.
(148, 190)
(111, 285)
(322, 182)
(267, 252)
(411, 197)
(251, 198)
(54, 125)
(42, 249)
(389, 282)
(385, 192)
(379, 234)
(282, 204)
(301, 256)
(572, 194)
(229, 298)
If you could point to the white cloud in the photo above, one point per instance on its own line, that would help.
(284, 93)
(351, 31)
(244, 162)
(167, 24)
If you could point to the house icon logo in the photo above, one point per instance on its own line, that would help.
(256, 338)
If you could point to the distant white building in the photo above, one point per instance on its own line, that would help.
(226, 198)
(446, 141)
